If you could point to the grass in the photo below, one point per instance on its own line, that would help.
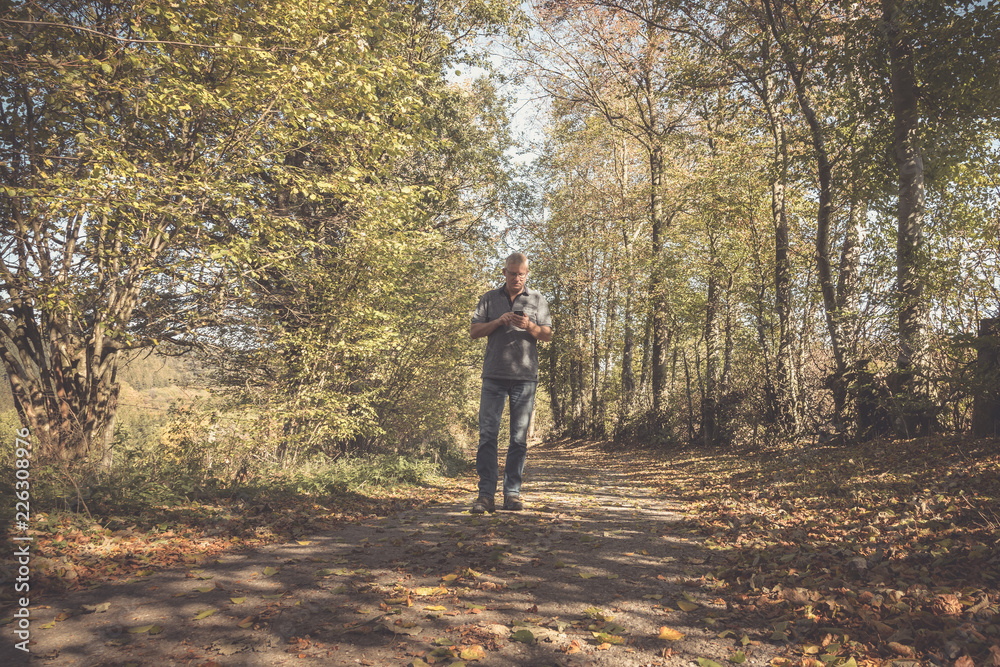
(135, 521)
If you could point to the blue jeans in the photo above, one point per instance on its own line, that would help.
(495, 393)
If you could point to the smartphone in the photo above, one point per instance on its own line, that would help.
(519, 313)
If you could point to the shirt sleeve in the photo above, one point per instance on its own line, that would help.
(482, 310)
(544, 318)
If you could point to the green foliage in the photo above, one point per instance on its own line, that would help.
(205, 161)
(320, 477)
(756, 129)
(200, 454)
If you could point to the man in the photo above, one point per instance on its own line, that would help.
(515, 319)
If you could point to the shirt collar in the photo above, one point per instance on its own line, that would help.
(503, 290)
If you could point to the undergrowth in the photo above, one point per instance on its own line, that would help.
(167, 502)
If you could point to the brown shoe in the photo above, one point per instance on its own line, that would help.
(483, 504)
(513, 503)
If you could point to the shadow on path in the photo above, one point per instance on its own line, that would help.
(595, 552)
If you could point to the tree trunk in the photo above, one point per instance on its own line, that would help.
(824, 213)
(910, 212)
(661, 395)
(576, 373)
(558, 422)
(65, 388)
(847, 308)
(784, 367)
(596, 425)
(628, 343)
(728, 341)
(986, 402)
(710, 400)
(690, 402)
(647, 355)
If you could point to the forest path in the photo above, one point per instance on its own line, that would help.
(595, 551)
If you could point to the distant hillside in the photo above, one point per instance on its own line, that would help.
(141, 374)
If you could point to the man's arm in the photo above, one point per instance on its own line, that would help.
(481, 329)
(543, 334)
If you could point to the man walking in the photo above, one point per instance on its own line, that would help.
(515, 319)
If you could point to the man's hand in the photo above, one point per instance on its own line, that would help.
(481, 329)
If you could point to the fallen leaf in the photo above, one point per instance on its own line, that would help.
(597, 614)
(684, 605)
(238, 600)
(400, 600)
(669, 634)
(705, 662)
(523, 636)
(901, 649)
(473, 653)
(402, 629)
(204, 614)
(141, 630)
(269, 571)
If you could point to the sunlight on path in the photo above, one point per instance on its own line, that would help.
(597, 570)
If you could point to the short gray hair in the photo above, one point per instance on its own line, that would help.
(516, 259)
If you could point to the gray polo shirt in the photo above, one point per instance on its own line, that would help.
(511, 352)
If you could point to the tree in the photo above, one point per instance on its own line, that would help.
(153, 155)
(588, 248)
(932, 49)
(625, 67)
(354, 344)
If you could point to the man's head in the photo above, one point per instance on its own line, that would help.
(515, 271)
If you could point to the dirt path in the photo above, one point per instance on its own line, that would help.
(593, 553)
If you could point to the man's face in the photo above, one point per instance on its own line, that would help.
(516, 277)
